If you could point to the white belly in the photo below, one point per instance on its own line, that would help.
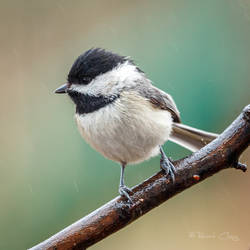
(129, 130)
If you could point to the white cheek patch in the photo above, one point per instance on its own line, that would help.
(110, 82)
(79, 88)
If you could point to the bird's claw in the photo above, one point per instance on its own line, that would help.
(124, 191)
(168, 167)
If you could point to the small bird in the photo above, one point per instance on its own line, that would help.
(122, 115)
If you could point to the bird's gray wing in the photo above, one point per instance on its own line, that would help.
(186, 136)
(159, 99)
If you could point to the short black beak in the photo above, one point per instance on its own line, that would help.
(62, 89)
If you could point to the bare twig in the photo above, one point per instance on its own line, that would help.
(220, 154)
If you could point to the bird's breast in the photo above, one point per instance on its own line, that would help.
(127, 130)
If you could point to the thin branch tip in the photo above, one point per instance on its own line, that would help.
(240, 166)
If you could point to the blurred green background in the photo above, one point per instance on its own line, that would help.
(197, 50)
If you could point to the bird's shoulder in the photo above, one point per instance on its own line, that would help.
(158, 98)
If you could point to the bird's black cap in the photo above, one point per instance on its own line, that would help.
(92, 63)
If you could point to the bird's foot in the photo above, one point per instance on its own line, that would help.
(168, 167)
(124, 191)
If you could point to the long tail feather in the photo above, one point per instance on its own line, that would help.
(190, 138)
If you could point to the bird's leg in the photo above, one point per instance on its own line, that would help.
(167, 165)
(123, 190)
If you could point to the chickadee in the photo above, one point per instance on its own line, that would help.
(122, 115)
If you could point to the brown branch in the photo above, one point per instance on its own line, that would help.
(220, 154)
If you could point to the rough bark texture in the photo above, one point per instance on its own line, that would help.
(220, 154)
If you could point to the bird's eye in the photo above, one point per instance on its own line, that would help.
(86, 79)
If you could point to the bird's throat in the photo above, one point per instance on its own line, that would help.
(89, 103)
